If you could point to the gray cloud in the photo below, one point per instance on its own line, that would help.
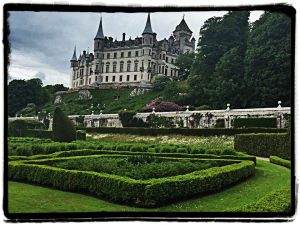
(41, 76)
(43, 42)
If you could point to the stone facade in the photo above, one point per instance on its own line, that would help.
(130, 61)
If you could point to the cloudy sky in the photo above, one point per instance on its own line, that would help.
(42, 43)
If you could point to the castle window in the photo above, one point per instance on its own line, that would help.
(160, 56)
(107, 68)
(149, 51)
(113, 78)
(90, 80)
(122, 54)
(81, 72)
(143, 40)
(166, 71)
(163, 69)
(150, 41)
(159, 69)
(135, 66)
(143, 51)
(129, 54)
(164, 56)
(96, 78)
(167, 59)
(135, 77)
(115, 55)
(136, 53)
(121, 78)
(149, 62)
(171, 72)
(128, 78)
(97, 67)
(98, 44)
(97, 55)
(128, 65)
(114, 68)
(91, 71)
(106, 79)
(172, 60)
(108, 55)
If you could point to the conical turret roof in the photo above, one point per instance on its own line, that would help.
(148, 28)
(74, 58)
(100, 34)
(183, 26)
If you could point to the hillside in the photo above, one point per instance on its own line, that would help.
(109, 100)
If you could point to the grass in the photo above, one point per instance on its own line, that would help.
(113, 99)
(26, 198)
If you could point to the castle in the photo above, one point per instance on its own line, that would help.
(132, 61)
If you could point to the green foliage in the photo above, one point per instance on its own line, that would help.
(19, 127)
(160, 83)
(81, 135)
(184, 63)
(264, 144)
(220, 123)
(128, 119)
(203, 107)
(278, 201)
(182, 131)
(270, 122)
(147, 193)
(268, 61)
(21, 93)
(279, 161)
(159, 121)
(63, 128)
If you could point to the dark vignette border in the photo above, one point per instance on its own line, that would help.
(144, 216)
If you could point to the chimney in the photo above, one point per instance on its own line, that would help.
(123, 37)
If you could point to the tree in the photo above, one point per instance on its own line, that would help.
(268, 61)
(63, 128)
(184, 63)
(160, 83)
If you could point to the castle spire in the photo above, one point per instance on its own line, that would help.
(148, 28)
(74, 58)
(100, 34)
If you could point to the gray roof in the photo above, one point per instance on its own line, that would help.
(100, 34)
(148, 28)
(183, 26)
(74, 58)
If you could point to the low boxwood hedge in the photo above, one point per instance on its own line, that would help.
(279, 161)
(278, 201)
(148, 193)
(182, 131)
(84, 152)
(264, 144)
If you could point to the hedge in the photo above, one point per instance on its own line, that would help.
(270, 122)
(264, 145)
(83, 152)
(280, 161)
(148, 193)
(46, 134)
(278, 201)
(182, 131)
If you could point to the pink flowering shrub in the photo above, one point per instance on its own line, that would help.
(161, 106)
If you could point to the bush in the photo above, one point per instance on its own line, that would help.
(147, 193)
(270, 122)
(278, 201)
(18, 127)
(280, 161)
(63, 128)
(264, 145)
(182, 131)
(220, 123)
(128, 119)
(81, 135)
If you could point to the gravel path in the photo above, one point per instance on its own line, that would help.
(262, 158)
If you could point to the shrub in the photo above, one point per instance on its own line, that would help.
(280, 161)
(128, 119)
(264, 144)
(182, 131)
(63, 128)
(220, 123)
(278, 201)
(19, 126)
(270, 122)
(147, 193)
(81, 135)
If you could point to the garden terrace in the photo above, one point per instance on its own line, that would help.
(211, 176)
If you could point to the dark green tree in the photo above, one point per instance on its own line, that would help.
(184, 63)
(268, 61)
(160, 83)
(62, 128)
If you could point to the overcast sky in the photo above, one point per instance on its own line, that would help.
(42, 43)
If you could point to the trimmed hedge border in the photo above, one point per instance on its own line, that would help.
(264, 145)
(83, 152)
(278, 201)
(182, 131)
(149, 193)
(279, 161)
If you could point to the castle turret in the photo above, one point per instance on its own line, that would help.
(148, 39)
(183, 34)
(74, 59)
(99, 40)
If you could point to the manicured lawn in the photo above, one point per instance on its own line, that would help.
(26, 198)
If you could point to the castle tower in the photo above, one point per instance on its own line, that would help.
(74, 59)
(99, 40)
(148, 39)
(73, 64)
(183, 34)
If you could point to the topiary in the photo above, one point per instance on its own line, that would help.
(63, 128)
